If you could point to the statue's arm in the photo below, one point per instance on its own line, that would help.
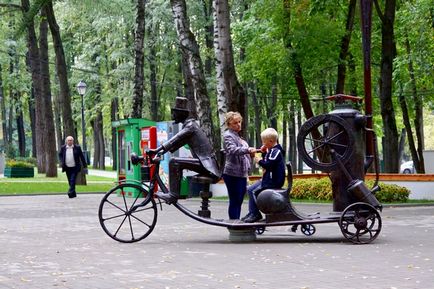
(177, 140)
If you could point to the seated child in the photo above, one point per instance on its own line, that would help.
(273, 165)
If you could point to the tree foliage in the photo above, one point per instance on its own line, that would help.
(98, 41)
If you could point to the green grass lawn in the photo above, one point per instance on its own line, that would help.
(43, 185)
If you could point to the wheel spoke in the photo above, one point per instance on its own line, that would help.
(120, 225)
(113, 217)
(316, 148)
(315, 140)
(131, 227)
(337, 145)
(144, 223)
(116, 206)
(143, 209)
(335, 136)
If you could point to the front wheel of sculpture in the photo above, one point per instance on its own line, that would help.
(360, 223)
(128, 213)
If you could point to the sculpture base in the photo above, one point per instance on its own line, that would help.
(242, 235)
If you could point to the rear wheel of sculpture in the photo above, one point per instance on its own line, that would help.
(128, 213)
(319, 136)
(308, 229)
(360, 223)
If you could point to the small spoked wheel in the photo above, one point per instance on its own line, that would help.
(320, 135)
(360, 223)
(308, 229)
(260, 230)
(128, 213)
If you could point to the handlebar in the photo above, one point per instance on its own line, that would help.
(135, 159)
(153, 158)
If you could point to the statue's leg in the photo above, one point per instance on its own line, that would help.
(176, 166)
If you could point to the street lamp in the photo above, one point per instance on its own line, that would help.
(81, 88)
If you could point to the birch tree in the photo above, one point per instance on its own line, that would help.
(190, 52)
(230, 94)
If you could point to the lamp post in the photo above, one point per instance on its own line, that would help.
(81, 88)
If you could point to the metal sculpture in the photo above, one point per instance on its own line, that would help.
(359, 222)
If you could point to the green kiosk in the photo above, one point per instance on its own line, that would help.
(137, 135)
(133, 135)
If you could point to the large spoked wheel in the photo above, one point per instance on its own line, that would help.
(321, 134)
(360, 223)
(128, 213)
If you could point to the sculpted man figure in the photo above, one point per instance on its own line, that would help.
(204, 160)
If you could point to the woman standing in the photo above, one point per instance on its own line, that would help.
(238, 157)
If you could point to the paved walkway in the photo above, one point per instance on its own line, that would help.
(101, 173)
(56, 242)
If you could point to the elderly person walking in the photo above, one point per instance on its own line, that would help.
(71, 159)
(237, 165)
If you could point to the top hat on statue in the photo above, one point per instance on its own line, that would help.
(181, 104)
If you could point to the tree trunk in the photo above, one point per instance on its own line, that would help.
(190, 50)
(139, 60)
(3, 114)
(95, 164)
(209, 31)
(58, 122)
(296, 66)
(230, 94)
(292, 151)
(285, 133)
(62, 74)
(388, 52)
(300, 161)
(257, 110)
(32, 116)
(401, 144)
(10, 128)
(114, 115)
(98, 132)
(273, 111)
(34, 64)
(153, 76)
(418, 112)
(20, 131)
(345, 44)
(49, 135)
(353, 75)
(407, 125)
(188, 86)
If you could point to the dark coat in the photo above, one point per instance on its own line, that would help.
(274, 164)
(78, 157)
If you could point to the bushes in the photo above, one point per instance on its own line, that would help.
(320, 189)
(18, 164)
(19, 169)
(312, 189)
(391, 193)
